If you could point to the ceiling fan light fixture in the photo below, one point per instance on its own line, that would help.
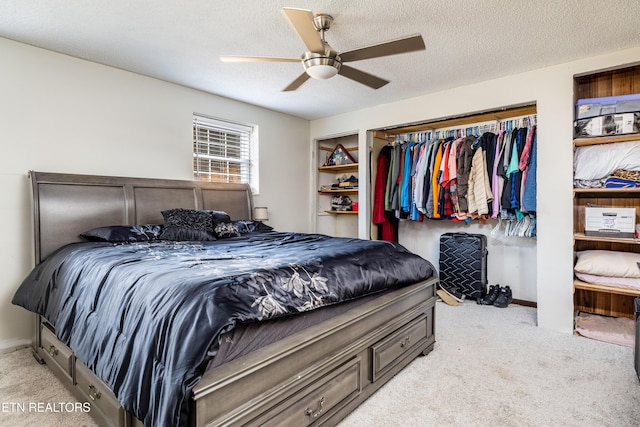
(321, 67)
(322, 72)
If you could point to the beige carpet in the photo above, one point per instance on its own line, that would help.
(490, 367)
(31, 396)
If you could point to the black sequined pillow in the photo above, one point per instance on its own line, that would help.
(246, 226)
(219, 216)
(187, 224)
(223, 227)
(124, 233)
(226, 229)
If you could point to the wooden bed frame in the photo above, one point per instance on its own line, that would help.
(314, 377)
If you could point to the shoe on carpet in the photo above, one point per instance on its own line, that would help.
(450, 296)
(504, 299)
(491, 296)
(446, 297)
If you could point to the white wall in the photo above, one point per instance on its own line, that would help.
(61, 114)
(545, 270)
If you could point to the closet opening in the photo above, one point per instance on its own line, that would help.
(420, 189)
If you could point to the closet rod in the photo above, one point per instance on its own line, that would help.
(461, 121)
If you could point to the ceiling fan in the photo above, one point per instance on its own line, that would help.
(322, 62)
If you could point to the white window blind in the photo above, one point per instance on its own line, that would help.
(221, 151)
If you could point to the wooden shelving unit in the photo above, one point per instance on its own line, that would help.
(589, 297)
(329, 221)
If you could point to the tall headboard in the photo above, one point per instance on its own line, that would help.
(64, 205)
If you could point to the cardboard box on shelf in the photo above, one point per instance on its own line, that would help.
(610, 222)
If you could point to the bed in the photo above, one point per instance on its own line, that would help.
(355, 336)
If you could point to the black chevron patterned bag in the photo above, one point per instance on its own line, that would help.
(463, 264)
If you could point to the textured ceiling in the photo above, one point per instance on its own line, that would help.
(180, 42)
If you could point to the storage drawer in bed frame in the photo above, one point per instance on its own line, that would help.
(320, 398)
(103, 402)
(55, 354)
(396, 346)
(83, 384)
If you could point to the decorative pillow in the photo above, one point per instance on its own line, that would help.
(223, 230)
(124, 233)
(219, 216)
(187, 224)
(608, 263)
(246, 226)
(223, 227)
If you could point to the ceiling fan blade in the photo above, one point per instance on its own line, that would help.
(297, 82)
(393, 47)
(362, 77)
(227, 58)
(302, 21)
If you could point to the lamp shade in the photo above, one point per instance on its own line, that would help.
(261, 214)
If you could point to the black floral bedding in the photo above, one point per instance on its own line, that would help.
(146, 316)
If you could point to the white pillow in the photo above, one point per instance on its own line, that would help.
(599, 161)
(608, 263)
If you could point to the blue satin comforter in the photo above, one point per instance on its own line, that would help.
(146, 317)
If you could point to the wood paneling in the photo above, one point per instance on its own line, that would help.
(604, 303)
(623, 81)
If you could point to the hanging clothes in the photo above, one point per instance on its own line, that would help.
(387, 222)
(529, 200)
(461, 176)
(463, 172)
(479, 192)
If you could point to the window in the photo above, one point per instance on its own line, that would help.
(222, 151)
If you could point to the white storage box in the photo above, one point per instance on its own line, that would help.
(609, 222)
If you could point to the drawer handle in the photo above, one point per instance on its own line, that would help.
(405, 342)
(314, 414)
(53, 351)
(94, 393)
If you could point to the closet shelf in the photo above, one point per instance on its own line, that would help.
(505, 113)
(609, 139)
(344, 191)
(339, 168)
(596, 192)
(578, 284)
(342, 212)
(583, 237)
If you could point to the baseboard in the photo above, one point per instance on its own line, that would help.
(8, 346)
(525, 303)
